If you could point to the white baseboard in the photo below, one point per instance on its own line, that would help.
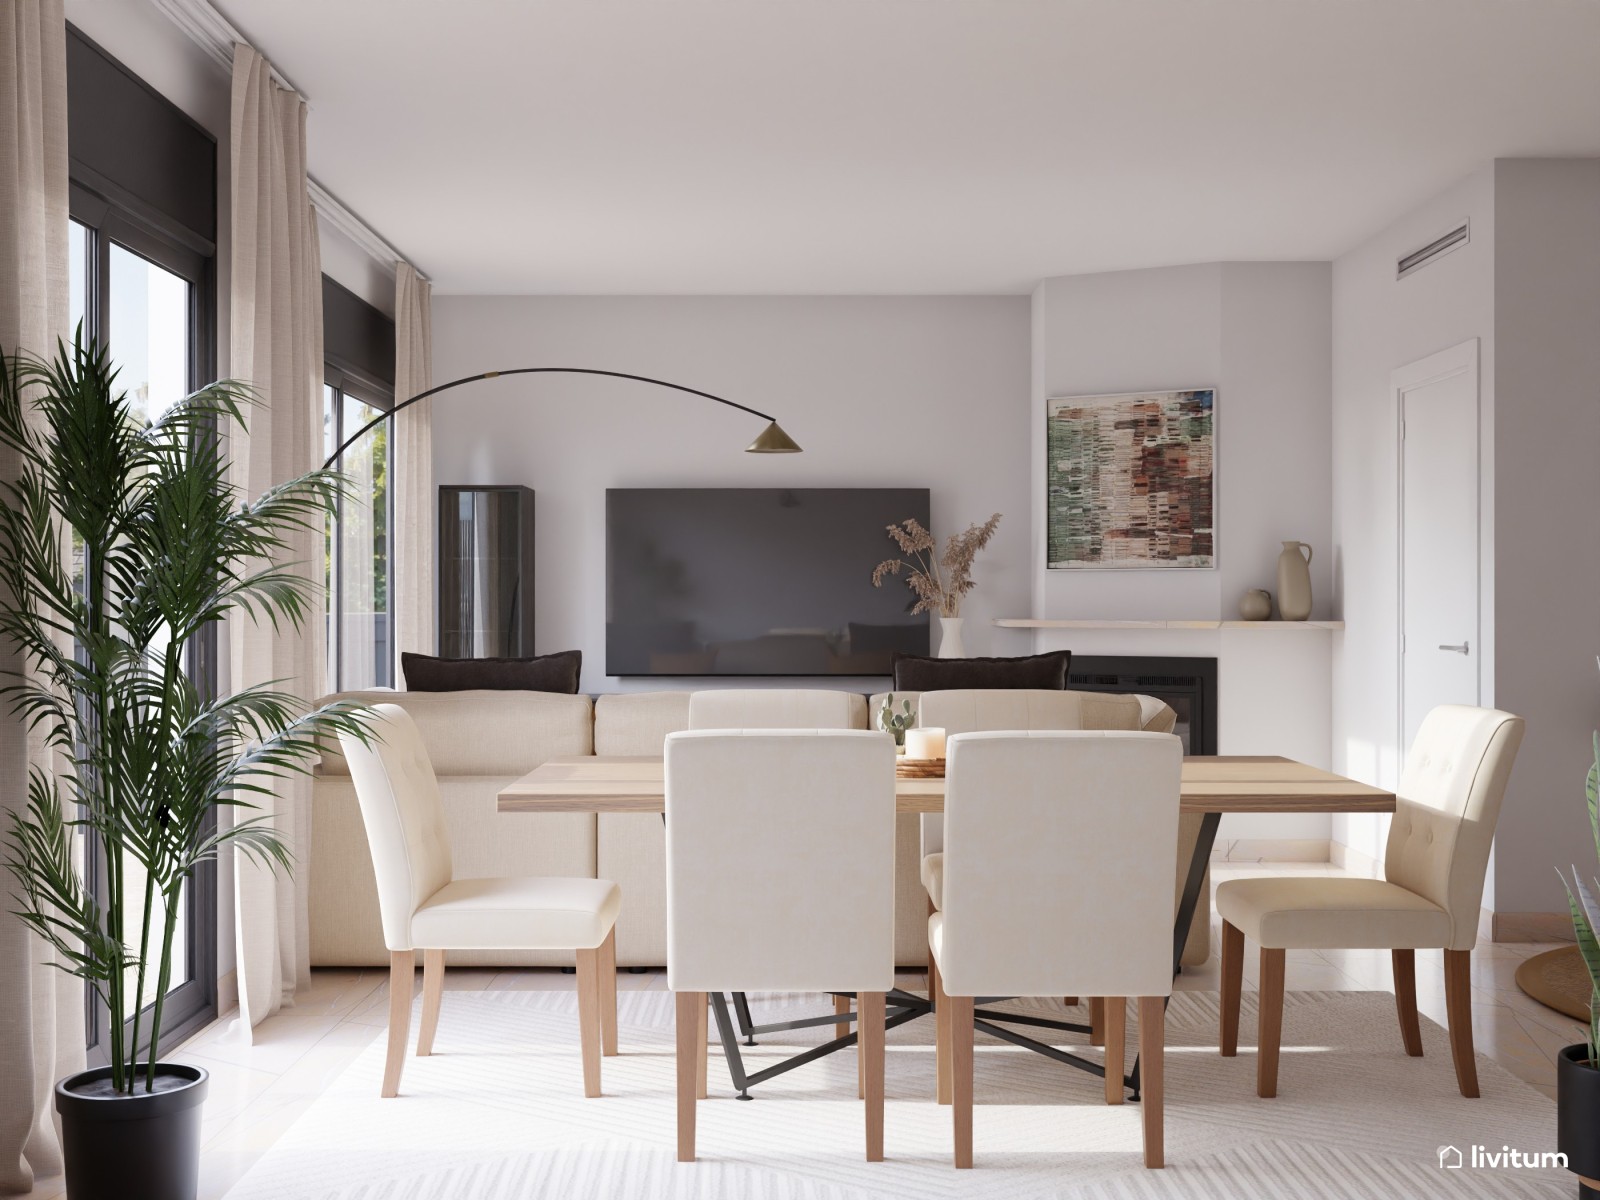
(1529, 927)
(1256, 850)
(1354, 861)
(227, 993)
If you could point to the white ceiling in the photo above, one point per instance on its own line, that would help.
(908, 146)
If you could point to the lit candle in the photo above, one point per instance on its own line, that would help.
(924, 743)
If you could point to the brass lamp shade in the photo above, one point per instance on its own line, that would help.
(773, 440)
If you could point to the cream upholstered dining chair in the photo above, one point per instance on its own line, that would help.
(425, 907)
(1446, 809)
(780, 876)
(1048, 836)
(778, 708)
(976, 710)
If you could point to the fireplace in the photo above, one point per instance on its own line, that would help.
(1189, 685)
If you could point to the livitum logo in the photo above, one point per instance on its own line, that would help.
(1487, 1158)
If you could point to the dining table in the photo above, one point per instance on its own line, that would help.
(1212, 786)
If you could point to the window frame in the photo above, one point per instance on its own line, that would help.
(193, 1003)
(346, 380)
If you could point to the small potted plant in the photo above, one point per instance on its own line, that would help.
(121, 542)
(1578, 1066)
(940, 581)
(896, 723)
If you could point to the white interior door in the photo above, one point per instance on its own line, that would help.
(1437, 399)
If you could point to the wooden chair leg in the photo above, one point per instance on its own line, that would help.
(1271, 1021)
(402, 977)
(432, 997)
(1405, 1000)
(589, 1018)
(1097, 1021)
(1152, 1054)
(608, 994)
(691, 1029)
(941, 1039)
(961, 1036)
(703, 1054)
(1116, 1041)
(841, 1005)
(870, 1014)
(1232, 988)
(1458, 1009)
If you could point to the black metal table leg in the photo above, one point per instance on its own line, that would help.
(1188, 904)
(741, 1010)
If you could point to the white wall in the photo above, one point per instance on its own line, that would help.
(1547, 498)
(1381, 323)
(1259, 334)
(880, 391)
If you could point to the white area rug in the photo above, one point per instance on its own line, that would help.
(498, 1113)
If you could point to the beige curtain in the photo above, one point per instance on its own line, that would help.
(276, 345)
(412, 572)
(41, 1008)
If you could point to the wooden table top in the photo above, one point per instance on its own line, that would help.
(1211, 784)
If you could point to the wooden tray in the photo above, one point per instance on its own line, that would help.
(919, 768)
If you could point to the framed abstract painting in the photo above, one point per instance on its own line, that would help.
(1130, 480)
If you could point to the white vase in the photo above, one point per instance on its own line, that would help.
(950, 645)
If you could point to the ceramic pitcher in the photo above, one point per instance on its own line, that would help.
(1294, 582)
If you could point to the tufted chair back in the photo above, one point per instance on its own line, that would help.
(1447, 807)
(400, 807)
(776, 708)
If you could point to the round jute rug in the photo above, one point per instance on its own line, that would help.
(1559, 980)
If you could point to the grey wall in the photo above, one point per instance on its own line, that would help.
(1259, 334)
(1528, 287)
(1546, 502)
(1381, 323)
(886, 392)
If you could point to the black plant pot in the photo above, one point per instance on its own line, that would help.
(140, 1147)
(1578, 1115)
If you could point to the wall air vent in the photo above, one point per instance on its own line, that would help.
(1421, 257)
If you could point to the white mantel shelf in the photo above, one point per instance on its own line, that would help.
(1038, 623)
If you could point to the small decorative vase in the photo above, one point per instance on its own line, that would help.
(1294, 582)
(1256, 605)
(950, 644)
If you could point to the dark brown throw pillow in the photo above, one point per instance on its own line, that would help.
(1046, 671)
(545, 673)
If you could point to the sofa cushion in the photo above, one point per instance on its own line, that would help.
(486, 732)
(638, 722)
(915, 673)
(776, 708)
(1095, 710)
(543, 673)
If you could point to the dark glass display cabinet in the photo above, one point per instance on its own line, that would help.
(485, 572)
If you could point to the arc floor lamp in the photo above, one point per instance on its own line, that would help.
(772, 440)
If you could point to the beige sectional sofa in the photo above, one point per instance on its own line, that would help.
(481, 740)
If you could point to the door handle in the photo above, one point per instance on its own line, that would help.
(1464, 648)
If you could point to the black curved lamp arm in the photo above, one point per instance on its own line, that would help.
(677, 387)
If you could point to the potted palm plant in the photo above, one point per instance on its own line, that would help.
(1578, 1066)
(121, 542)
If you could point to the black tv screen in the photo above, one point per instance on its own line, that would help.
(756, 581)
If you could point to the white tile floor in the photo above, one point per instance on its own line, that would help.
(259, 1089)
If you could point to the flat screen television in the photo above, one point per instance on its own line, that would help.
(756, 581)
